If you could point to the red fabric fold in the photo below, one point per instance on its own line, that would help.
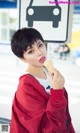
(36, 111)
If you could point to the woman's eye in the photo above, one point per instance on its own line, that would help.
(31, 51)
(40, 45)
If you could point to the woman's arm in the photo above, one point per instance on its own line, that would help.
(69, 123)
(32, 113)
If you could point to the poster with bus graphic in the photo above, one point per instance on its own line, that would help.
(51, 18)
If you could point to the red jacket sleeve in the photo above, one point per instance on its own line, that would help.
(69, 123)
(33, 113)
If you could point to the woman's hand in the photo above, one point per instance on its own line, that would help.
(57, 80)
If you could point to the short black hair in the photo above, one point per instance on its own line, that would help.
(23, 38)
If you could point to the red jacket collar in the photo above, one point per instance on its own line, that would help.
(27, 78)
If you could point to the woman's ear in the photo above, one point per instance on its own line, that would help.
(45, 44)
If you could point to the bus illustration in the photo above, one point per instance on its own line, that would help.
(43, 13)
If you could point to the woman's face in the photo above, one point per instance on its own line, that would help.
(36, 55)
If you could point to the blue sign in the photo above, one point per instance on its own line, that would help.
(8, 3)
(76, 9)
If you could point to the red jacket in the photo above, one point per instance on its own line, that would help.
(36, 111)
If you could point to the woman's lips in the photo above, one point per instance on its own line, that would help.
(42, 59)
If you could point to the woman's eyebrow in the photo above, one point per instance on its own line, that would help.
(29, 48)
(39, 42)
(32, 46)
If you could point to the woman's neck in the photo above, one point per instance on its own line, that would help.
(37, 71)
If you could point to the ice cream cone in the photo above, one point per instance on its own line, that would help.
(49, 65)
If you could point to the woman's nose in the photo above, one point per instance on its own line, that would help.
(38, 52)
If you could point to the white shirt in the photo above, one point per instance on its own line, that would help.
(44, 82)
